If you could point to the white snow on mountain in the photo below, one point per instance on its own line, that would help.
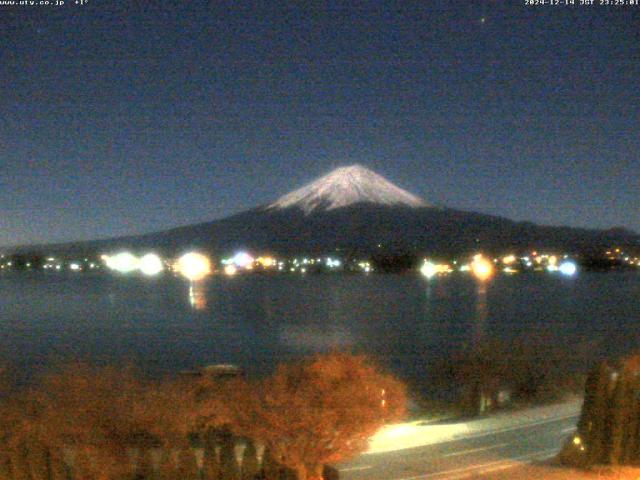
(346, 186)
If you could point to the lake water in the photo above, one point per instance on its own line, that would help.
(407, 322)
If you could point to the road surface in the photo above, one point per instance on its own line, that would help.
(476, 455)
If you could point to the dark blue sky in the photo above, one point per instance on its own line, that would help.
(118, 119)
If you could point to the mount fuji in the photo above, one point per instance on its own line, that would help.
(347, 186)
(354, 210)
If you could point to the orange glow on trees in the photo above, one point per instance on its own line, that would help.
(321, 410)
(108, 423)
(87, 421)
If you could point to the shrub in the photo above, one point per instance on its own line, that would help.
(321, 410)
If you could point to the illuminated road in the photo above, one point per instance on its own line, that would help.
(475, 456)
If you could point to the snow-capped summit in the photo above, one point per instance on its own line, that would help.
(346, 186)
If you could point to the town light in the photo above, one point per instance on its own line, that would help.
(509, 259)
(266, 262)
(242, 259)
(151, 264)
(481, 268)
(568, 268)
(429, 269)
(332, 263)
(193, 266)
(123, 262)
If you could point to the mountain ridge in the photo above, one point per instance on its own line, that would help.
(353, 209)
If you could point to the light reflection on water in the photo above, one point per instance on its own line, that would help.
(315, 337)
(482, 314)
(255, 321)
(198, 295)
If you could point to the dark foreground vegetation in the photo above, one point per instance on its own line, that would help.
(494, 374)
(609, 428)
(84, 422)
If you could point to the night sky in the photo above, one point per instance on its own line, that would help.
(117, 119)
